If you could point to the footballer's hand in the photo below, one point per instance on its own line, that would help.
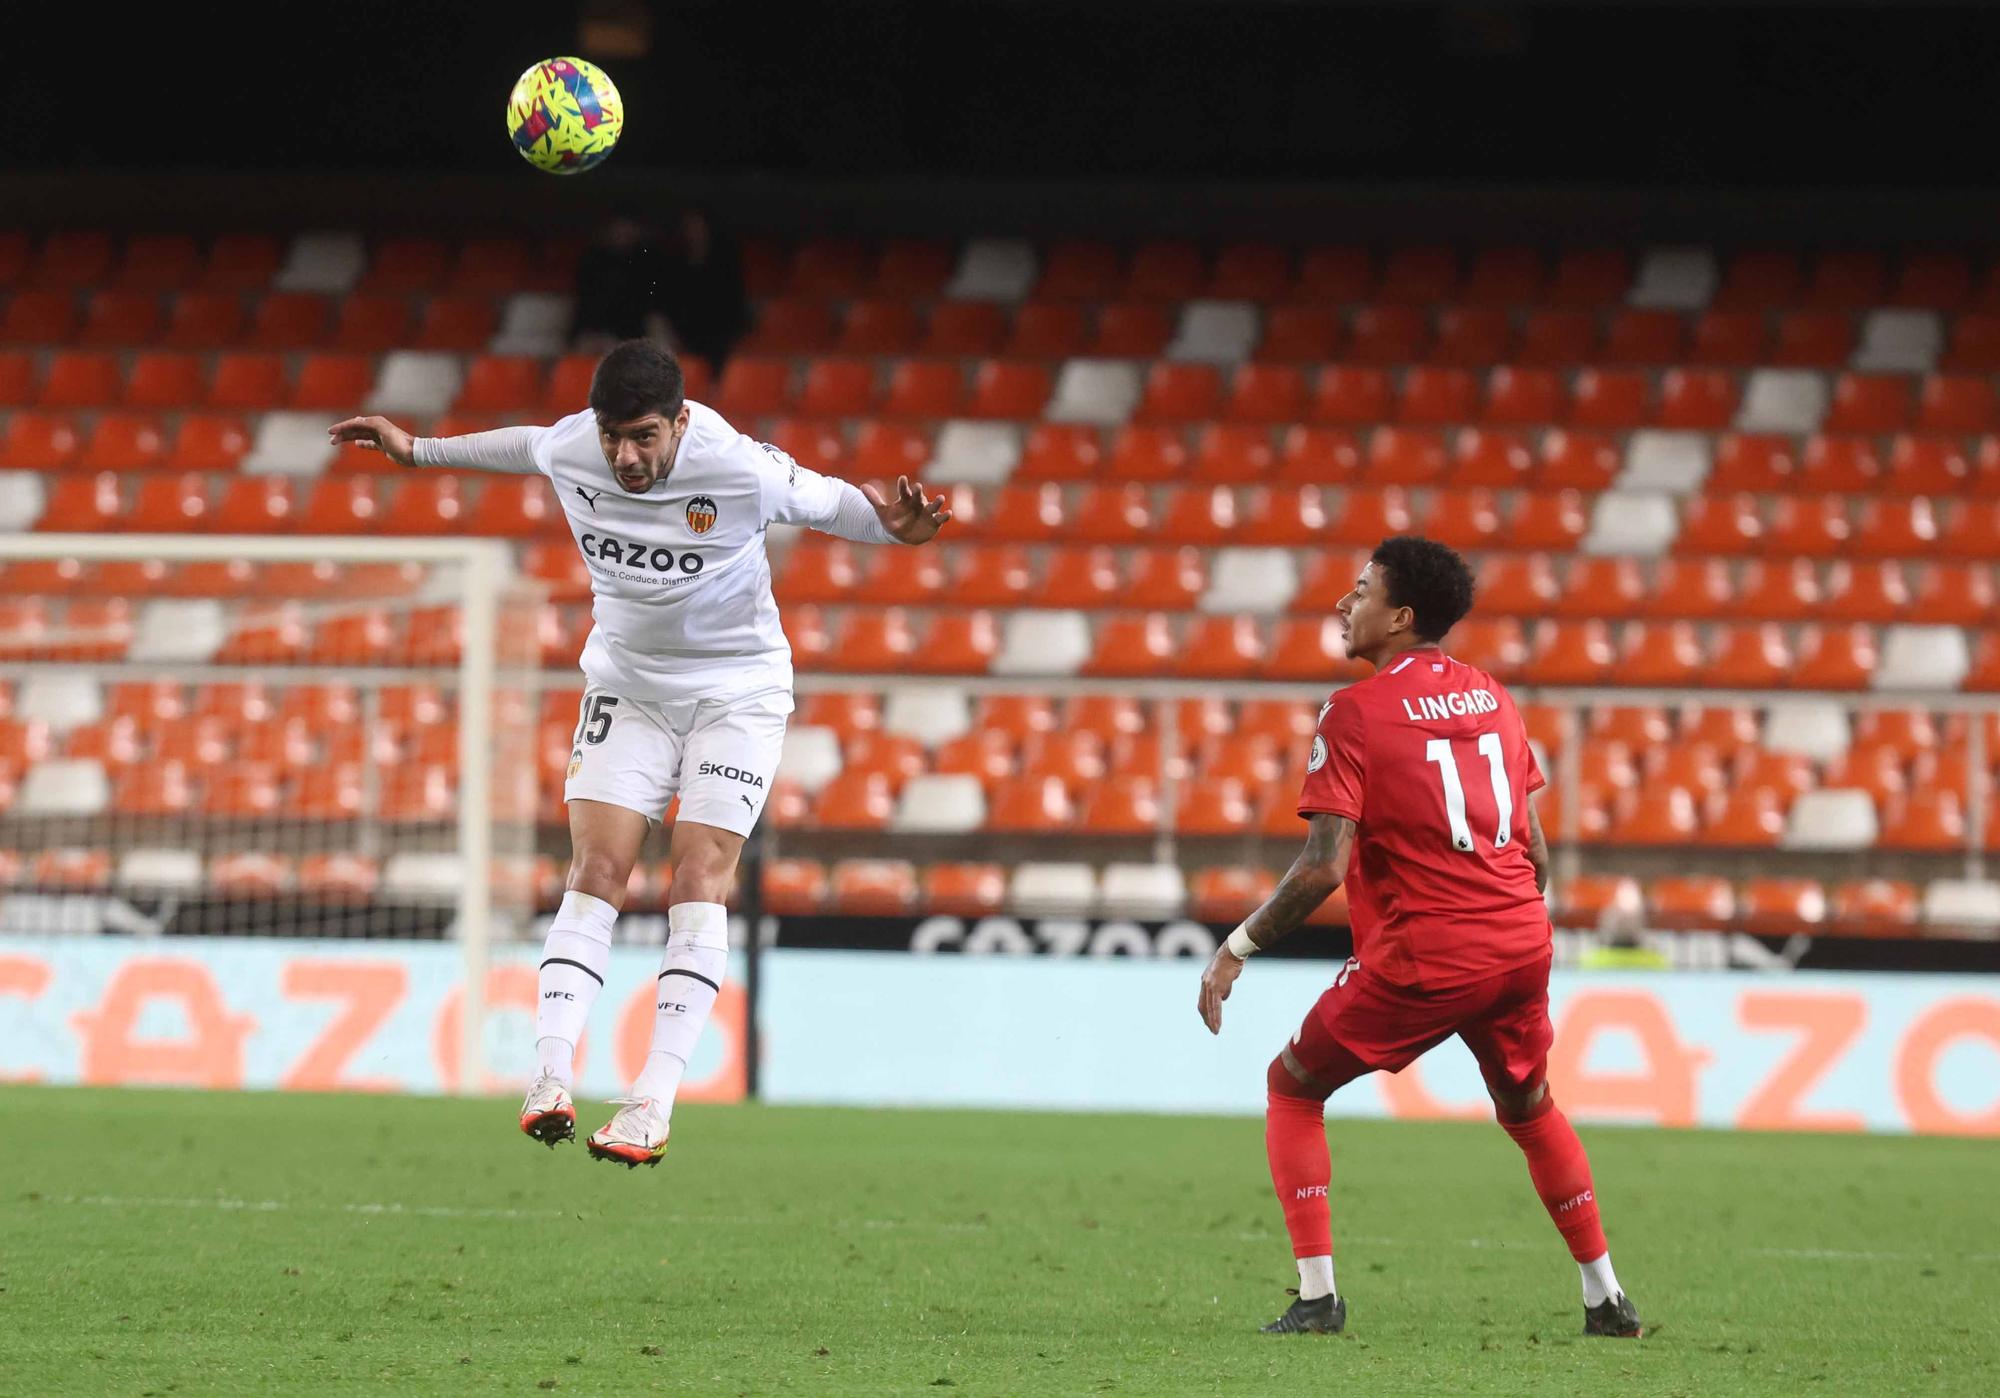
(913, 516)
(1216, 980)
(375, 434)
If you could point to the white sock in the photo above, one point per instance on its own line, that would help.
(1600, 1283)
(690, 976)
(573, 962)
(1315, 1278)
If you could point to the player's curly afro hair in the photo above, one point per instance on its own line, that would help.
(635, 378)
(1428, 578)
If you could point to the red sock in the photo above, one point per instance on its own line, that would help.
(1301, 1169)
(1561, 1172)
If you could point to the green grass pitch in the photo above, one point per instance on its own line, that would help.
(159, 1242)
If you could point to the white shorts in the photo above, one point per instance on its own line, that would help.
(719, 755)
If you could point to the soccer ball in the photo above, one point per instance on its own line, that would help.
(564, 115)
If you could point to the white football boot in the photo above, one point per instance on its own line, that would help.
(636, 1136)
(547, 1115)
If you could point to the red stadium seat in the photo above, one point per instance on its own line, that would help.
(334, 382)
(1010, 390)
(1473, 337)
(1692, 900)
(39, 441)
(998, 575)
(1250, 272)
(1209, 516)
(1318, 456)
(1179, 393)
(158, 262)
(1779, 590)
(1076, 271)
(1847, 280)
(1494, 459)
(1222, 647)
(37, 317)
(1030, 805)
(1350, 394)
(1464, 519)
(1756, 464)
(958, 643)
(1817, 526)
(1959, 403)
(1935, 466)
(1932, 821)
(1149, 453)
(344, 505)
(874, 887)
(1875, 907)
(1953, 595)
(78, 380)
(829, 268)
(1590, 278)
(838, 388)
(1697, 399)
(1601, 587)
(1493, 644)
(1112, 514)
(1028, 513)
(1419, 275)
(1230, 453)
(964, 890)
(1814, 340)
(910, 270)
(753, 387)
(500, 383)
(1939, 281)
(1750, 657)
(1310, 335)
(1895, 529)
(1329, 576)
(1578, 461)
(1871, 403)
(816, 445)
(964, 328)
(295, 320)
(1056, 451)
(879, 327)
(255, 505)
(1665, 815)
(1727, 525)
(77, 259)
(1975, 344)
(1557, 339)
(1647, 338)
(153, 789)
(1127, 331)
(1517, 585)
(1542, 520)
(460, 324)
(1369, 516)
(1335, 274)
(168, 504)
(1083, 578)
(1388, 335)
(367, 324)
(1406, 456)
(120, 318)
(1306, 648)
(245, 382)
(1728, 339)
(1438, 395)
(1835, 657)
(1166, 272)
(124, 442)
(791, 328)
(81, 503)
(1866, 592)
(889, 449)
(1759, 280)
(1612, 399)
(1047, 330)
(1571, 653)
(1525, 397)
(1135, 645)
(1503, 277)
(922, 389)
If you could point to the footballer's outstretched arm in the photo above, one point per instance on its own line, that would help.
(508, 449)
(1538, 849)
(1314, 875)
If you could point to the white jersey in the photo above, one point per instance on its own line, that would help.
(680, 582)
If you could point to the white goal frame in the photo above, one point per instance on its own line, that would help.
(486, 569)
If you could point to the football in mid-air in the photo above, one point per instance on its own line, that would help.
(564, 115)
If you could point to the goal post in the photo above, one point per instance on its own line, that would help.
(274, 736)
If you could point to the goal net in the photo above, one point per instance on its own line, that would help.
(283, 737)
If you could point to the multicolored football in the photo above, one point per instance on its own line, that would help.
(564, 115)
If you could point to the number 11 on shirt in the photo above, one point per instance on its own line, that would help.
(1438, 750)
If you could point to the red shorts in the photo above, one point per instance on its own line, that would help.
(1363, 1023)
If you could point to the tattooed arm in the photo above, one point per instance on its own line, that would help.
(1316, 873)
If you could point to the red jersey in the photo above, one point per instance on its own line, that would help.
(1430, 760)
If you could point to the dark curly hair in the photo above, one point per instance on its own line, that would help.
(1428, 578)
(635, 378)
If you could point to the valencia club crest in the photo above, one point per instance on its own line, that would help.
(701, 514)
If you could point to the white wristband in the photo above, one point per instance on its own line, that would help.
(1239, 944)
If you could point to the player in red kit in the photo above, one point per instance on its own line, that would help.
(1417, 797)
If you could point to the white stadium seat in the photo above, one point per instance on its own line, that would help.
(1814, 728)
(1670, 463)
(289, 444)
(171, 629)
(932, 713)
(1042, 643)
(1900, 342)
(811, 756)
(64, 787)
(940, 803)
(419, 877)
(1251, 580)
(324, 262)
(974, 453)
(1782, 400)
(1100, 391)
(1044, 890)
(1675, 279)
(1833, 818)
(1963, 903)
(22, 499)
(415, 381)
(1215, 332)
(62, 700)
(1923, 657)
(1153, 892)
(994, 269)
(534, 322)
(1621, 523)
(159, 870)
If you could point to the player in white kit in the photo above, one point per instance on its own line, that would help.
(688, 685)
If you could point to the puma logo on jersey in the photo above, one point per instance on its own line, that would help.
(589, 498)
